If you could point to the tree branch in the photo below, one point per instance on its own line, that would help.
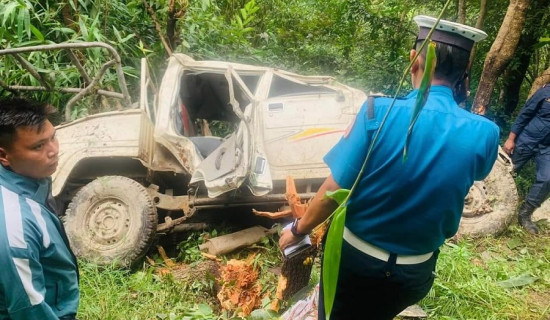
(167, 46)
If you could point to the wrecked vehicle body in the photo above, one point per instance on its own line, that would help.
(126, 176)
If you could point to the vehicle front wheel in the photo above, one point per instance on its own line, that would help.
(111, 220)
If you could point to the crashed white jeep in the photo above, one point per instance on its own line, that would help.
(125, 176)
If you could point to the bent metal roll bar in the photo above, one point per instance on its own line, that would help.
(91, 84)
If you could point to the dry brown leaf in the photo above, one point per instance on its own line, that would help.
(150, 261)
(273, 215)
(167, 261)
(211, 256)
(163, 271)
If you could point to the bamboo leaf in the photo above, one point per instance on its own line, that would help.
(83, 27)
(239, 21)
(519, 281)
(20, 24)
(27, 20)
(7, 12)
(63, 30)
(333, 249)
(37, 33)
(339, 195)
(117, 34)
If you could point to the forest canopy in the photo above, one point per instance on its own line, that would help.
(363, 43)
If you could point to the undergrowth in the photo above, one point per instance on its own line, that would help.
(505, 277)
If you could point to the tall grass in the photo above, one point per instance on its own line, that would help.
(475, 279)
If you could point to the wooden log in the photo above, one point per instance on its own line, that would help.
(295, 274)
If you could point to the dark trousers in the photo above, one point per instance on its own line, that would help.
(373, 289)
(541, 187)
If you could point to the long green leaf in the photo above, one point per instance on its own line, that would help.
(37, 33)
(423, 92)
(520, 281)
(333, 248)
(8, 11)
(27, 20)
(20, 24)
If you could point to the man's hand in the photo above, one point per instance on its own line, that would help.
(510, 143)
(319, 210)
(287, 239)
(509, 146)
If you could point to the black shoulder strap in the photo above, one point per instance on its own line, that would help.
(372, 123)
(370, 108)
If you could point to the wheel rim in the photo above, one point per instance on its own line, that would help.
(477, 201)
(108, 222)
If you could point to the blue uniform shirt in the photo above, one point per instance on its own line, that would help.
(411, 207)
(532, 126)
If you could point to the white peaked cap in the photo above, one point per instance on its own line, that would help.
(448, 32)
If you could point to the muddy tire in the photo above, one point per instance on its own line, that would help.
(111, 220)
(491, 204)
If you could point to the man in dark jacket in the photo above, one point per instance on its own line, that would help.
(530, 138)
(39, 277)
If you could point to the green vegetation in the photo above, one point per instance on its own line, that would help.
(506, 277)
(364, 43)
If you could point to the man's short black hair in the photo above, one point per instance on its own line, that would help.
(19, 112)
(451, 62)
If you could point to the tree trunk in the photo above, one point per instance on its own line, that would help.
(461, 11)
(541, 80)
(513, 78)
(479, 25)
(501, 51)
(175, 12)
(516, 72)
(70, 19)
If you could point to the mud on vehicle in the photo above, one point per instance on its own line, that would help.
(215, 134)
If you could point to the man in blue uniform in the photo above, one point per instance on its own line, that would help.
(39, 278)
(402, 211)
(530, 138)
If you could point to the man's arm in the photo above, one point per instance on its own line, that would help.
(529, 110)
(318, 211)
(22, 276)
(26, 291)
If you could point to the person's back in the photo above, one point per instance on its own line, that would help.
(447, 152)
(403, 209)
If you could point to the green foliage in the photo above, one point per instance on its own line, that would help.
(525, 178)
(354, 40)
(211, 33)
(333, 248)
(189, 249)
